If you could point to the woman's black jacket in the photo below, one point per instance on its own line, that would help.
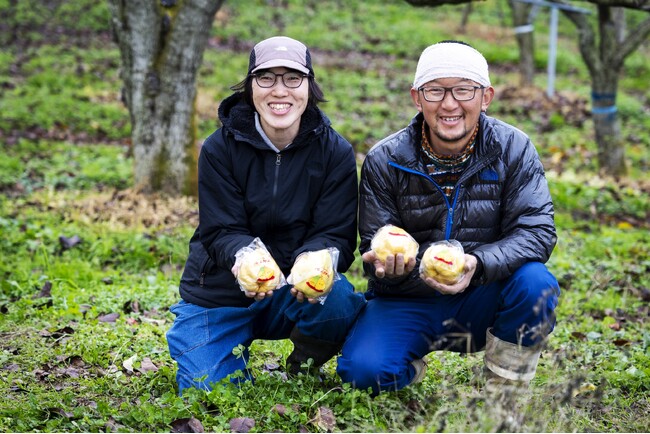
(303, 198)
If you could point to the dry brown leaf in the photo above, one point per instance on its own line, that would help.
(241, 424)
(187, 425)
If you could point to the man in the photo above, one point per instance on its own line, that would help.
(454, 173)
(278, 172)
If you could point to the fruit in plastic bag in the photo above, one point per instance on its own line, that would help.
(313, 273)
(258, 271)
(391, 240)
(444, 262)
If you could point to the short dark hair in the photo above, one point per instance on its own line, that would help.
(245, 88)
(454, 41)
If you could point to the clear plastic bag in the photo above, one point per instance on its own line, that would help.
(391, 240)
(314, 273)
(257, 271)
(444, 261)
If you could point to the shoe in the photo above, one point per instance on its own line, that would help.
(309, 353)
(420, 366)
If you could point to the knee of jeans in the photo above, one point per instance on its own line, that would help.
(535, 286)
(364, 372)
(205, 379)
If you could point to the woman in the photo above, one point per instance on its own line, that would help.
(277, 171)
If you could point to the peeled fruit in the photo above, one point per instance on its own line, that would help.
(391, 240)
(259, 272)
(444, 262)
(313, 273)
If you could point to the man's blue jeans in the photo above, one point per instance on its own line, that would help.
(392, 332)
(201, 340)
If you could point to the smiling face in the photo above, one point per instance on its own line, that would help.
(280, 108)
(451, 123)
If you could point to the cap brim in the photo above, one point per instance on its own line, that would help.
(275, 63)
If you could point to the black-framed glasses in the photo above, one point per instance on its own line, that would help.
(290, 79)
(438, 93)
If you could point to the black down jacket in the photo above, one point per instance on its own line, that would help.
(302, 199)
(501, 210)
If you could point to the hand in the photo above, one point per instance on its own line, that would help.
(258, 295)
(250, 294)
(300, 297)
(458, 287)
(393, 267)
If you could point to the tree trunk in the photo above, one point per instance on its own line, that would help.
(524, 34)
(465, 18)
(161, 46)
(605, 63)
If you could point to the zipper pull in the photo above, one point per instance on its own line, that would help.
(278, 157)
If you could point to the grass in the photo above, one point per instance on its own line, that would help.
(89, 268)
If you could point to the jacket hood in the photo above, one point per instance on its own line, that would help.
(237, 118)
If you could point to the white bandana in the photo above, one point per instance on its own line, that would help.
(451, 60)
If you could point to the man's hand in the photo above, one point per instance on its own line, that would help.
(458, 287)
(393, 267)
(300, 297)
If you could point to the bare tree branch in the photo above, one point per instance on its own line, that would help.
(642, 5)
(635, 37)
(438, 2)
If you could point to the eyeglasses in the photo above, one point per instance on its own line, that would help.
(460, 93)
(290, 79)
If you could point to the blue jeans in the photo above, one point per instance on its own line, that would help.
(201, 339)
(392, 332)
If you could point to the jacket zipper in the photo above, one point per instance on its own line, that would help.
(276, 178)
(204, 265)
(450, 207)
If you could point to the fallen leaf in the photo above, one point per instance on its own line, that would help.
(60, 412)
(615, 326)
(46, 291)
(131, 306)
(147, 365)
(241, 424)
(280, 409)
(68, 243)
(128, 363)
(109, 317)
(584, 388)
(579, 336)
(57, 333)
(187, 425)
(324, 419)
(112, 425)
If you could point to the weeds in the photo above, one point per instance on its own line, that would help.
(89, 267)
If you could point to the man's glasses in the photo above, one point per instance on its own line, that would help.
(460, 93)
(290, 79)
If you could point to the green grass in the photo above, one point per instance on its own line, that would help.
(82, 324)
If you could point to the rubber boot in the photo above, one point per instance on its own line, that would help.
(307, 347)
(510, 361)
(508, 368)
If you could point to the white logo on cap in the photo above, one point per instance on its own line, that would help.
(282, 48)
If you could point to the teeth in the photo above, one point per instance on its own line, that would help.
(279, 106)
(451, 119)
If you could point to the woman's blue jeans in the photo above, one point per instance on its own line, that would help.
(392, 332)
(202, 340)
